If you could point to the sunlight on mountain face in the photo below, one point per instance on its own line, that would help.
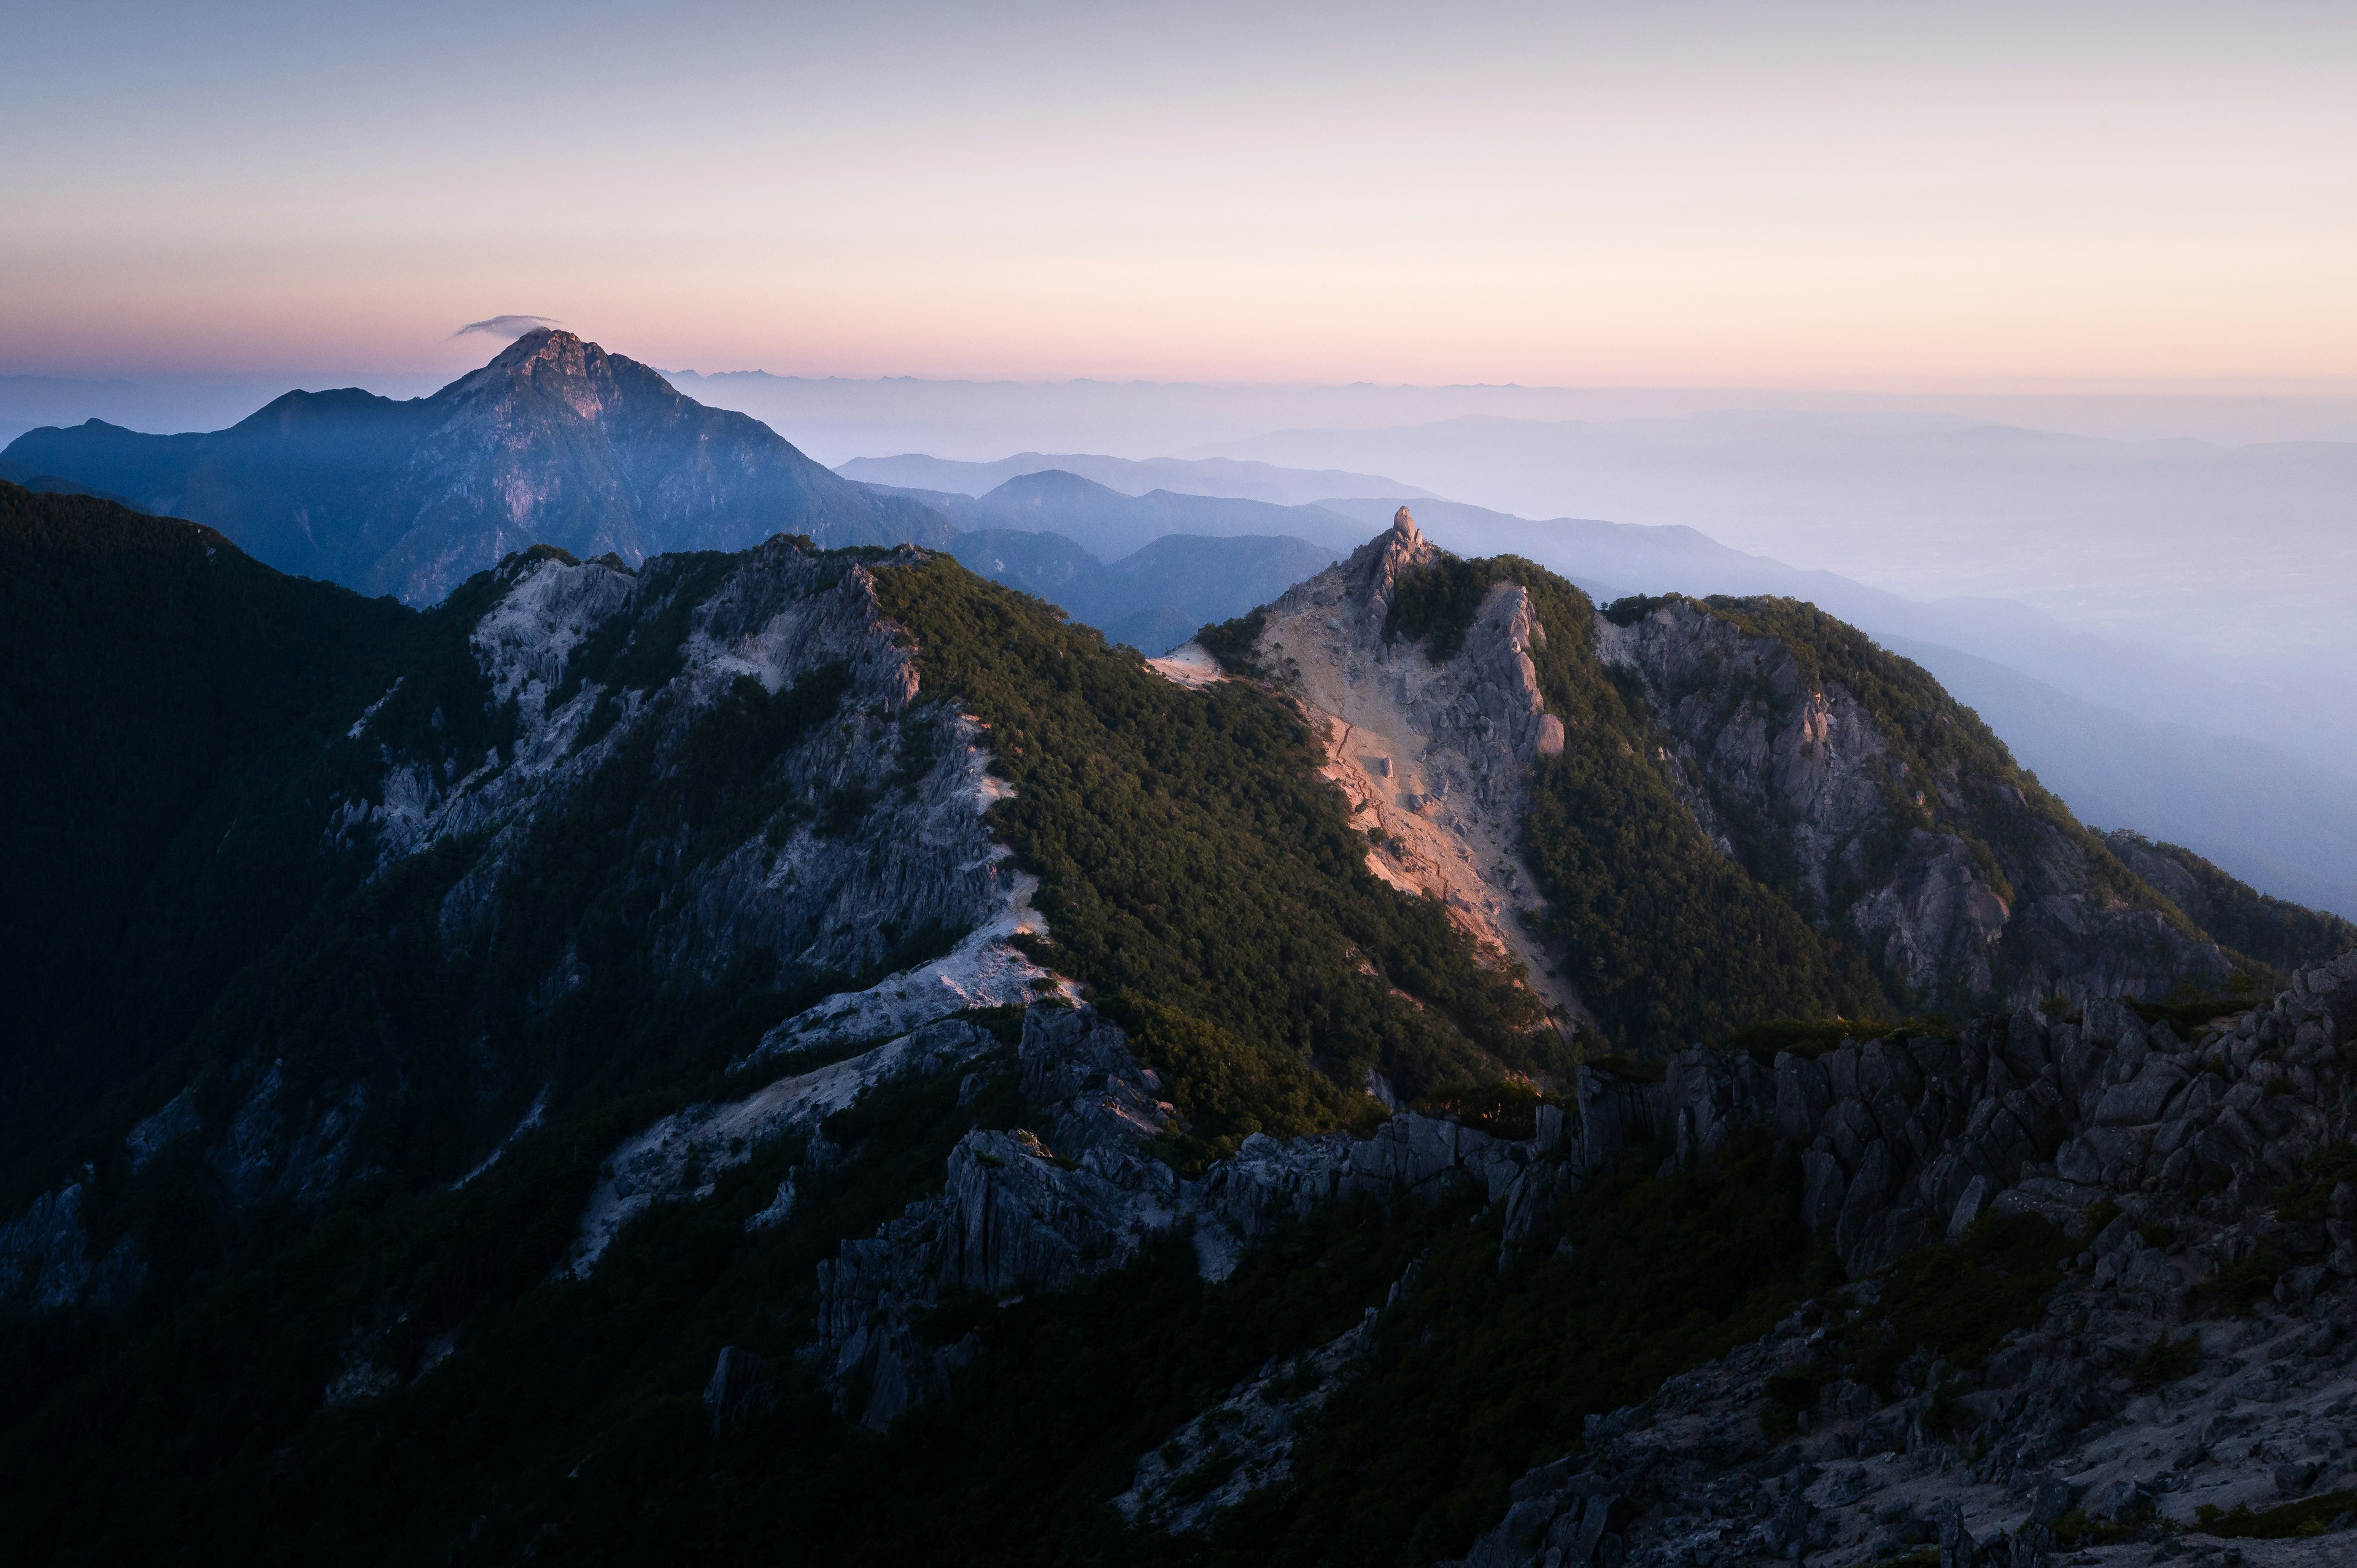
(1507, 786)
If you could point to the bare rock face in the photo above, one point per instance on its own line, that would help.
(2188, 1170)
(277, 1145)
(1434, 760)
(45, 1256)
(2165, 1158)
(1244, 1442)
(783, 893)
(1014, 1213)
(2015, 914)
(681, 1156)
(740, 1387)
(1076, 1193)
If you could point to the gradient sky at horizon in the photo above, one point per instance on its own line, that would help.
(2102, 196)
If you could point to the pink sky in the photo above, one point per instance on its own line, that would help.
(2129, 197)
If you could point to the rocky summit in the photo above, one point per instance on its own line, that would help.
(555, 441)
(806, 1053)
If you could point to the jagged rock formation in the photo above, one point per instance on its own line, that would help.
(1015, 1214)
(2175, 1161)
(624, 890)
(1434, 759)
(1888, 818)
(45, 1254)
(1907, 1139)
(2201, 1176)
(591, 682)
(1077, 1193)
(1245, 1441)
(778, 617)
(683, 1156)
(555, 441)
(1960, 879)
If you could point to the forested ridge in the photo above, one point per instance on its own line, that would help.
(166, 699)
(1667, 940)
(1671, 941)
(1200, 879)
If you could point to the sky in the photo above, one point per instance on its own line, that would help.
(1982, 198)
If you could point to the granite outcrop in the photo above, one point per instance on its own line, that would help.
(1434, 758)
(2196, 1357)
(1961, 889)
(1078, 1190)
(855, 859)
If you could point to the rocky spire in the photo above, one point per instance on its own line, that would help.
(1379, 564)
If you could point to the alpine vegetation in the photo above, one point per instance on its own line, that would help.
(798, 1051)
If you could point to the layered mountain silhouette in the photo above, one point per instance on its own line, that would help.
(1154, 598)
(1109, 524)
(1215, 476)
(555, 442)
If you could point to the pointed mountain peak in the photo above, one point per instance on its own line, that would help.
(555, 364)
(1377, 566)
(550, 346)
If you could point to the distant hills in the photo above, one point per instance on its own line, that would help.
(1154, 598)
(1110, 524)
(1146, 570)
(555, 441)
(1184, 476)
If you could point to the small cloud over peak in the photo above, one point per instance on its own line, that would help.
(506, 325)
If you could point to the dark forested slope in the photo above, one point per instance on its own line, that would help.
(614, 828)
(166, 700)
(608, 966)
(2272, 930)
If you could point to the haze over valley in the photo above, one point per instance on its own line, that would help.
(2069, 587)
(1501, 786)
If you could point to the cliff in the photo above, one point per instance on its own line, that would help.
(1844, 777)
(2181, 1372)
(680, 1014)
(1681, 817)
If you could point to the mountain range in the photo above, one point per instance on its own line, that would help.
(1198, 476)
(810, 1051)
(555, 441)
(1110, 524)
(408, 496)
(1154, 598)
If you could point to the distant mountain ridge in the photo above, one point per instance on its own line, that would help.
(555, 441)
(1154, 598)
(1242, 479)
(1110, 525)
